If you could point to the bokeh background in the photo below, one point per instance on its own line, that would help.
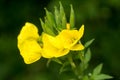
(102, 22)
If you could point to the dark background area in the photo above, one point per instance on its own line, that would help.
(100, 17)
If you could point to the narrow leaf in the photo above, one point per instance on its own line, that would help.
(87, 55)
(102, 77)
(61, 10)
(98, 69)
(88, 43)
(49, 29)
(64, 22)
(50, 18)
(72, 18)
(63, 17)
(57, 17)
(48, 26)
(43, 25)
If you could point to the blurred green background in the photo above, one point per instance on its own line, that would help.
(102, 22)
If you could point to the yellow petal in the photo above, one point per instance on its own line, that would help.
(56, 42)
(81, 31)
(28, 31)
(30, 50)
(67, 38)
(50, 50)
(77, 47)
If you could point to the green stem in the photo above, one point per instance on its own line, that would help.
(71, 62)
(74, 68)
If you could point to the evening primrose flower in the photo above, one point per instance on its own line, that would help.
(29, 48)
(61, 44)
(69, 39)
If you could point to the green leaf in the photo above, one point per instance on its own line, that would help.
(61, 10)
(50, 18)
(88, 43)
(72, 18)
(82, 67)
(64, 22)
(87, 56)
(57, 17)
(98, 69)
(43, 25)
(49, 30)
(102, 77)
(63, 17)
(85, 78)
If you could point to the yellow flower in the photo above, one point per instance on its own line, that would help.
(60, 45)
(29, 48)
(69, 39)
(49, 50)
